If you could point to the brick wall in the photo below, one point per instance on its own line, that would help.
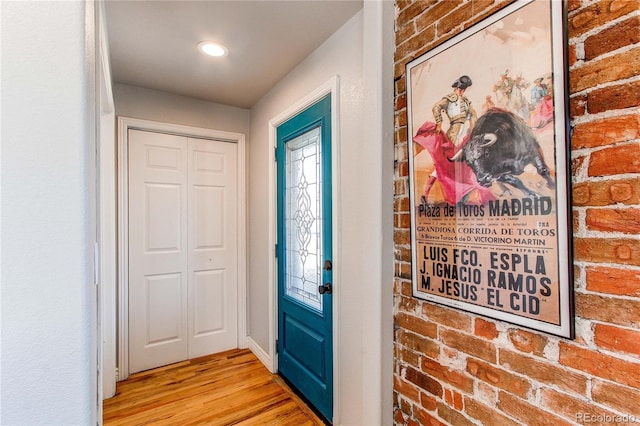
(453, 367)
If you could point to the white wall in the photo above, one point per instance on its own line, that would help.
(147, 104)
(364, 200)
(48, 298)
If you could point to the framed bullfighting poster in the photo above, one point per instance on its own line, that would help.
(488, 170)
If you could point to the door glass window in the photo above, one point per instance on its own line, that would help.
(303, 218)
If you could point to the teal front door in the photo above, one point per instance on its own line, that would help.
(305, 353)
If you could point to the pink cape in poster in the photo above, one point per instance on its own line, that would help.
(457, 180)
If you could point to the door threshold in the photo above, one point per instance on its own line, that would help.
(301, 400)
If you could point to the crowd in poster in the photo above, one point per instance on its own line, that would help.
(488, 171)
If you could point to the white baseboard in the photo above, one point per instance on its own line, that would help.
(261, 354)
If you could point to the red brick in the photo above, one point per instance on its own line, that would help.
(616, 160)
(612, 68)
(401, 102)
(406, 406)
(469, 345)
(403, 169)
(604, 279)
(486, 329)
(411, 422)
(401, 237)
(625, 312)
(455, 18)
(577, 165)
(572, 408)
(599, 13)
(607, 193)
(407, 304)
(417, 325)
(626, 192)
(401, 204)
(399, 67)
(428, 402)
(405, 32)
(447, 317)
(450, 355)
(403, 4)
(416, 45)
(528, 414)
(543, 371)
(454, 399)
(402, 119)
(620, 398)
(435, 12)
(406, 389)
(401, 149)
(402, 287)
(573, 57)
(626, 221)
(403, 254)
(408, 357)
(578, 105)
(413, 10)
(573, 5)
(487, 393)
(398, 417)
(401, 85)
(487, 415)
(402, 220)
(498, 377)
(399, 220)
(622, 34)
(455, 378)
(402, 153)
(418, 343)
(423, 381)
(424, 418)
(527, 341)
(580, 194)
(605, 250)
(400, 187)
(614, 97)
(404, 271)
(617, 339)
(452, 416)
(400, 138)
(600, 365)
(607, 131)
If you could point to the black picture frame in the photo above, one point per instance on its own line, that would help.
(489, 171)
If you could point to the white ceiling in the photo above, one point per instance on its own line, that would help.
(153, 43)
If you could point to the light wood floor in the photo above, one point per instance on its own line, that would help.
(230, 388)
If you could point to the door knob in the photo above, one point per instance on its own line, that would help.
(325, 288)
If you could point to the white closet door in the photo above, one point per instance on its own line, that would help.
(212, 247)
(158, 249)
(182, 248)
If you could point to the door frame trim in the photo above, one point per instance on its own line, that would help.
(330, 87)
(124, 124)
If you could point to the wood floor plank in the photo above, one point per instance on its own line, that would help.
(184, 389)
(230, 388)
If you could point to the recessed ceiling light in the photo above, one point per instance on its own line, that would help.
(212, 48)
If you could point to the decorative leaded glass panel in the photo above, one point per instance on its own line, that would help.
(303, 218)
